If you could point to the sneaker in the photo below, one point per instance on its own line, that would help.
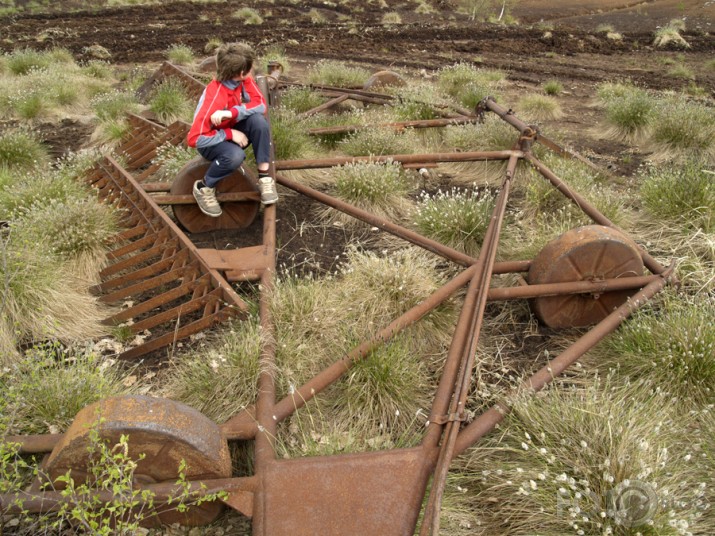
(267, 186)
(206, 198)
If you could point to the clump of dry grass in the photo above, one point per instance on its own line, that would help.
(540, 108)
(219, 379)
(376, 187)
(682, 130)
(566, 461)
(338, 74)
(669, 35)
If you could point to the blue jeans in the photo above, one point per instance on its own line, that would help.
(226, 157)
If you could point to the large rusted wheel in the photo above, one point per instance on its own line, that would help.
(236, 215)
(589, 253)
(164, 432)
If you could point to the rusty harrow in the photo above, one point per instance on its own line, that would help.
(593, 275)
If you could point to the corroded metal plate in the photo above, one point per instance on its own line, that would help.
(164, 432)
(589, 253)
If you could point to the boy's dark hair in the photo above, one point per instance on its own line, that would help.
(233, 59)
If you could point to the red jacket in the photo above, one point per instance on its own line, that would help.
(243, 101)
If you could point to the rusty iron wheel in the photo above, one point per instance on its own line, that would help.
(236, 215)
(589, 253)
(162, 433)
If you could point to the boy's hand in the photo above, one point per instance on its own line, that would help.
(219, 116)
(239, 138)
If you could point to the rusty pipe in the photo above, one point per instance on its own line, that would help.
(488, 420)
(316, 163)
(23, 502)
(571, 287)
(467, 353)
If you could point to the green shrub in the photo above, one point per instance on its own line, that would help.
(458, 218)
(289, 137)
(98, 69)
(180, 54)
(21, 62)
(21, 150)
(337, 74)
(680, 193)
(74, 230)
(172, 158)
(572, 461)
(391, 18)
(169, 101)
(221, 380)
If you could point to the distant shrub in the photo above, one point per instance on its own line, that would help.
(553, 87)
(391, 18)
(670, 35)
(248, 15)
(540, 107)
(180, 54)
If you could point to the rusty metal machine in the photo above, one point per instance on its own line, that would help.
(590, 276)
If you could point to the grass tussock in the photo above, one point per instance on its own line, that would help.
(170, 102)
(379, 188)
(669, 35)
(45, 389)
(289, 136)
(540, 108)
(21, 150)
(669, 347)
(417, 102)
(682, 130)
(468, 85)
(458, 218)
(682, 194)
(47, 84)
(299, 100)
(379, 141)
(337, 74)
(629, 111)
(567, 462)
(248, 16)
(171, 158)
(221, 380)
(180, 54)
